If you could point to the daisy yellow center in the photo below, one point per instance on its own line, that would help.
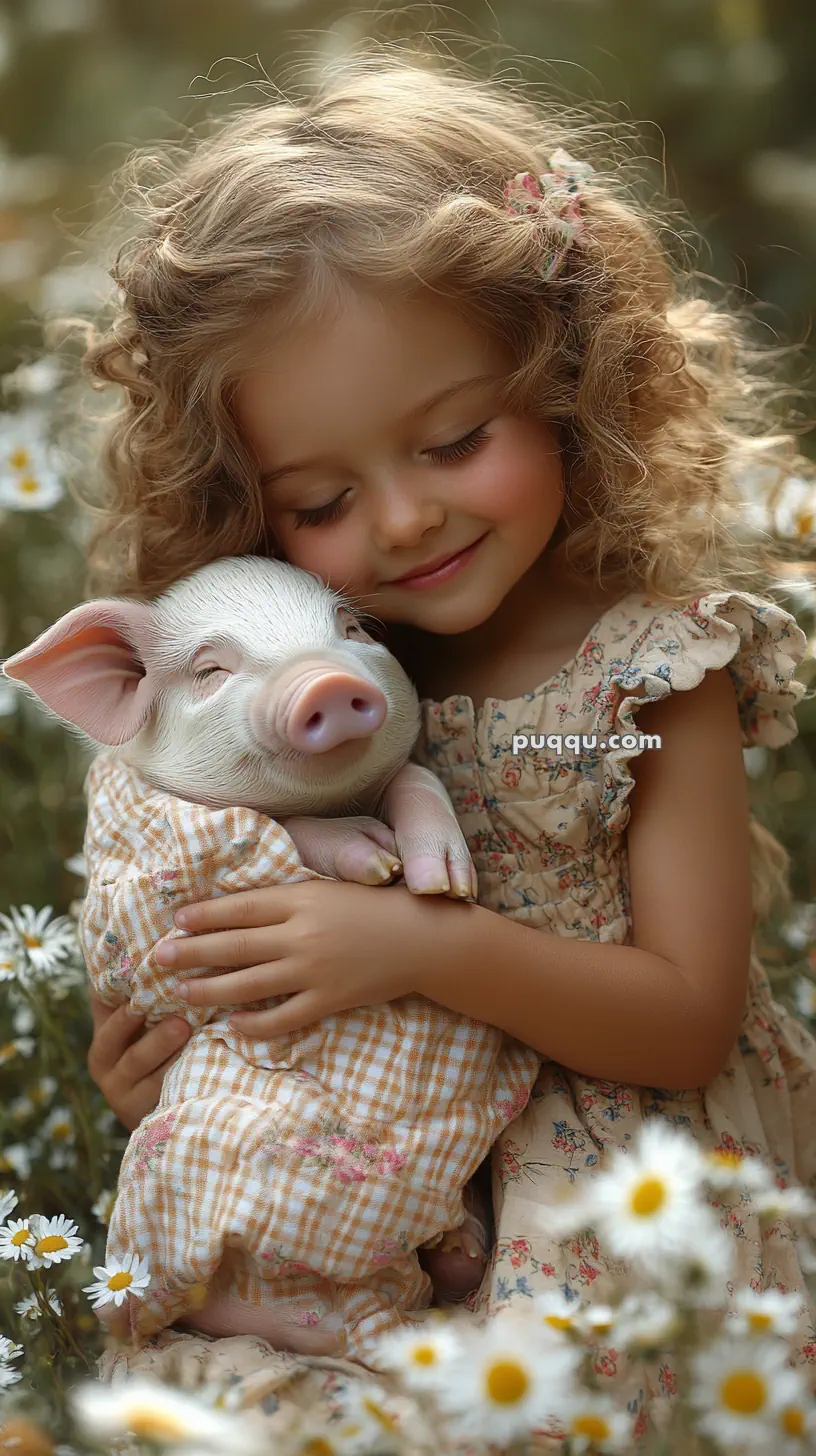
(423, 1355)
(19, 459)
(726, 1160)
(744, 1392)
(21, 1237)
(32, 941)
(648, 1197)
(120, 1281)
(386, 1421)
(28, 485)
(50, 1244)
(155, 1425)
(558, 1321)
(60, 1131)
(602, 1327)
(507, 1382)
(793, 1421)
(318, 1447)
(593, 1427)
(759, 1321)
(804, 523)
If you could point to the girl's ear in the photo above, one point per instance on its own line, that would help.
(89, 669)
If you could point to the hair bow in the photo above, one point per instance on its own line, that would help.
(525, 193)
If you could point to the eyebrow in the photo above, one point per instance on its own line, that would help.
(424, 408)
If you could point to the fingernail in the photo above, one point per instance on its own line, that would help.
(181, 989)
(181, 917)
(166, 953)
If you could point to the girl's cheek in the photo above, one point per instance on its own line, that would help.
(333, 561)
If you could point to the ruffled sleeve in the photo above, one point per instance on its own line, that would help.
(759, 642)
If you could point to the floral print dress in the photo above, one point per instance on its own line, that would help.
(547, 831)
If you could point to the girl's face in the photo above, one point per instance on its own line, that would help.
(370, 474)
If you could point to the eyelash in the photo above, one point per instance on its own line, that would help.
(441, 454)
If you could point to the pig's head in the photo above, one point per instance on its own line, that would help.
(249, 682)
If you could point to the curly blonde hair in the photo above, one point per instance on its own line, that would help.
(389, 174)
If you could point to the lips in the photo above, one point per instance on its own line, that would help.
(431, 566)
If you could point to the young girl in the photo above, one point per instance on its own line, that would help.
(416, 336)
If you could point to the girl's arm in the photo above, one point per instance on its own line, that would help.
(666, 1010)
(662, 1012)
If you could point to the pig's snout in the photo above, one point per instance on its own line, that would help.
(324, 709)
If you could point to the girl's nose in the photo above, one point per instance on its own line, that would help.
(403, 517)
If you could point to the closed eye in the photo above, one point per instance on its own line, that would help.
(440, 454)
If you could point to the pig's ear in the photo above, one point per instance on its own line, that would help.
(89, 669)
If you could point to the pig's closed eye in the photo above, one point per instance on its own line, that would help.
(202, 673)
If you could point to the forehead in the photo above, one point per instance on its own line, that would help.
(359, 370)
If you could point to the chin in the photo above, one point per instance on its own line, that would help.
(449, 618)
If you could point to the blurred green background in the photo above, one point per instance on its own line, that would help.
(724, 89)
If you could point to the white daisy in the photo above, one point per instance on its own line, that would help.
(55, 1240)
(505, 1384)
(8, 1201)
(29, 479)
(805, 993)
(646, 1321)
(767, 1313)
(159, 1414)
(800, 927)
(794, 1426)
(59, 1126)
(16, 1158)
(42, 1091)
(44, 944)
(21, 1046)
(8, 1350)
(8, 1376)
(726, 1167)
(116, 1281)
(794, 512)
(557, 1311)
(103, 1208)
(739, 1385)
(700, 1279)
(23, 1022)
(11, 964)
(774, 1203)
(39, 377)
(17, 1240)
(421, 1354)
(366, 1422)
(593, 1424)
(647, 1207)
(599, 1322)
(29, 1308)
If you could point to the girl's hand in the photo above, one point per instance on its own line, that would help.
(327, 946)
(128, 1071)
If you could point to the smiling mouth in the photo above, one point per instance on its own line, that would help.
(441, 567)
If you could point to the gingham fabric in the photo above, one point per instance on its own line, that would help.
(308, 1169)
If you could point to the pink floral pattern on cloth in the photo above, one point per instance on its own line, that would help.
(547, 833)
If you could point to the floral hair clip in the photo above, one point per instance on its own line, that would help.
(525, 193)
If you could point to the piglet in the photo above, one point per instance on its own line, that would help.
(279, 1188)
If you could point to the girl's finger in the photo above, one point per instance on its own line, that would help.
(111, 1040)
(303, 1009)
(150, 1053)
(253, 984)
(268, 906)
(224, 948)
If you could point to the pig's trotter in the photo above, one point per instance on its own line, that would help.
(285, 1326)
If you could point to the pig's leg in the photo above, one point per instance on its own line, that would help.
(360, 849)
(456, 1264)
(285, 1327)
(434, 853)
